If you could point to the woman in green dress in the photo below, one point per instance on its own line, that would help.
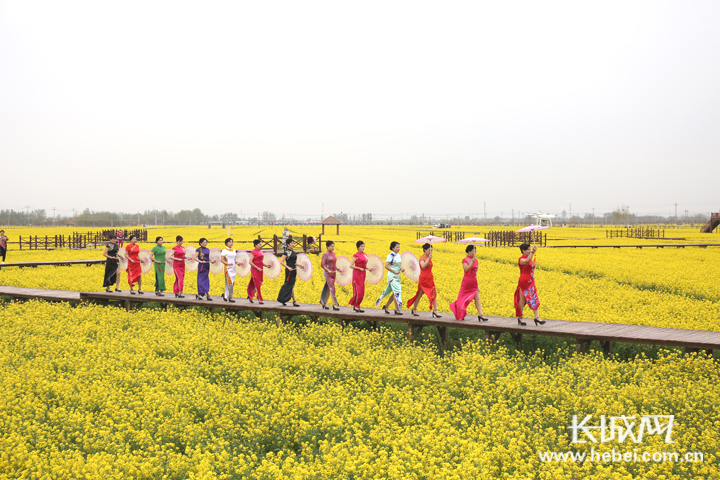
(158, 254)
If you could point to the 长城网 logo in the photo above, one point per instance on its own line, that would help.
(620, 428)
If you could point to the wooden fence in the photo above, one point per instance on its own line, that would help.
(307, 244)
(512, 239)
(448, 235)
(74, 240)
(635, 233)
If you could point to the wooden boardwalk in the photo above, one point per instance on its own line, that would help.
(582, 332)
(62, 263)
(647, 245)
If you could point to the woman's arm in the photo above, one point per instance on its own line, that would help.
(467, 266)
(282, 262)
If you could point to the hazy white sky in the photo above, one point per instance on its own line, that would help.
(384, 107)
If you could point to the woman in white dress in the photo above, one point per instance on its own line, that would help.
(227, 257)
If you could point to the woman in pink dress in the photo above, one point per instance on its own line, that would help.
(469, 288)
(177, 255)
(329, 270)
(526, 292)
(134, 270)
(358, 264)
(256, 272)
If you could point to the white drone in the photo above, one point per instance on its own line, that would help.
(543, 219)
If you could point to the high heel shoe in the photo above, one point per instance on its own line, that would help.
(296, 304)
(337, 309)
(108, 290)
(398, 313)
(281, 303)
(179, 295)
(157, 294)
(386, 310)
(325, 307)
(520, 322)
(260, 302)
(231, 301)
(132, 292)
(539, 322)
(250, 300)
(482, 319)
(435, 315)
(198, 297)
(357, 310)
(118, 290)
(223, 297)
(412, 312)
(207, 297)
(141, 292)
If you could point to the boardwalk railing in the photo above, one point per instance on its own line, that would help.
(74, 240)
(635, 233)
(514, 239)
(307, 244)
(448, 235)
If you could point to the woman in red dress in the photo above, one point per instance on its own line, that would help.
(468, 288)
(134, 271)
(256, 272)
(177, 255)
(526, 292)
(426, 283)
(358, 264)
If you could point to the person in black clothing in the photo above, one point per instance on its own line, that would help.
(111, 265)
(289, 261)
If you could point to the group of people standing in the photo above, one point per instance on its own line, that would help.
(525, 294)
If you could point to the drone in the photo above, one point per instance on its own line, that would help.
(543, 219)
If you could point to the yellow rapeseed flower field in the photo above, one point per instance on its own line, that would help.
(99, 393)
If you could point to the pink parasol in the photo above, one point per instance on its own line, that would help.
(531, 228)
(304, 273)
(343, 277)
(242, 259)
(190, 264)
(216, 266)
(146, 262)
(169, 263)
(473, 240)
(430, 239)
(275, 269)
(411, 265)
(374, 276)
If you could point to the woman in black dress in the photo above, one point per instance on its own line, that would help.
(289, 261)
(111, 265)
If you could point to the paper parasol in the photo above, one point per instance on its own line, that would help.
(343, 277)
(378, 269)
(531, 228)
(304, 273)
(411, 265)
(242, 260)
(275, 268)
(430, 239)
(473, 240)
(146, 263)
(216, 266)
(190, 264)
(122, 263)
(169, 269)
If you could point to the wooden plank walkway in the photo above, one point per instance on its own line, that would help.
(655, 245)
(61, 263)
(582, 332)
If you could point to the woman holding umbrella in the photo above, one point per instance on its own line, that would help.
(177, 255)
(526, 292)
(111, 265)
(426, 283)
(134, 270)
(392, 265)
(289, 261)
(469, 287)
(256, 269)
(329, 270)
(202, 256)
(358, 264)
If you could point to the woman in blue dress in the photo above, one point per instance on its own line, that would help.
(202, 256)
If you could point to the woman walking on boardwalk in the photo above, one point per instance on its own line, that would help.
(526, 292)
(158, 257)
(3, 245)
(289, 261)
(394, 268)
(358, 264)
(469, 287)
(134, 270)
(227, 257)
(177, 255)
(329, 270)
(202, 256)
(426, 283)
(257, 262)
(111, 265)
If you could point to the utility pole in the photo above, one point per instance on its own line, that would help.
(485, 211)
(593, 217)
(54, 216)
(675, 214)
